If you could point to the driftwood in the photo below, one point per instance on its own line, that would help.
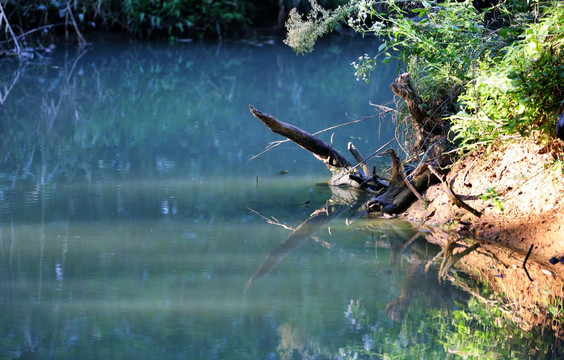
(399, 193)
(343, 172)
(391, 198)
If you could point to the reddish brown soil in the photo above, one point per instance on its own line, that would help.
(530, 183)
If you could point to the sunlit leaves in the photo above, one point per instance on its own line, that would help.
(519, 90)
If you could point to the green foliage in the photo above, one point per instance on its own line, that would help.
(520, 89)
(556, 309)
(177, 16)
(493, 197)
(490, 84)
(142, 18)
(302, 34)
(448, 34)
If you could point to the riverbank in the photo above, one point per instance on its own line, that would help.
(518, 189)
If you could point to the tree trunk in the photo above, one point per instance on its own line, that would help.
(424, 127)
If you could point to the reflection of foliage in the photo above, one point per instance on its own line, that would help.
(433, 327)
(474, 329)
(356, 314)
(118, 113)
(295, 344)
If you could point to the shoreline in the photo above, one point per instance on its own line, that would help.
(525, 214)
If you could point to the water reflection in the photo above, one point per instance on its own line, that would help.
(113, 110)
(129, 220)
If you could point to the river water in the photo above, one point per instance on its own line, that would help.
(136, 224)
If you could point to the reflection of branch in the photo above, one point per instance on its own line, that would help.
(410, 241)
(450, 259)
(9, 89)
(52, 112)
(64, 91)
(319, 218)
(272, 220)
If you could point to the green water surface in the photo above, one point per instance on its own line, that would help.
(133, 222)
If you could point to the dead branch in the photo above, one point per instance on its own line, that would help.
(425, 127)
(401, 191)
(343, 172)
(274, 144)
(402, 88)
(81, 39)
(3, 17)
(361, 161)
(455, 199)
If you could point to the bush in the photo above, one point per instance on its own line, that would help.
(519, 90)
(487, 82)
(141, 18)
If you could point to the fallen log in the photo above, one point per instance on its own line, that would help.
(343, 172)
(402, 190)
(391, 199)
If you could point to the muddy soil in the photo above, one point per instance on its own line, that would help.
(519, 190)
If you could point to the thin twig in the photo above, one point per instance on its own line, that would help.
(9, 28)
(455, 199)
(413, 190)
(23, 35)
(421, 162)
(467, 170)
(525, 262)
(81, 39)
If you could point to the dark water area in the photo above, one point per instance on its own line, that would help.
(134, 224)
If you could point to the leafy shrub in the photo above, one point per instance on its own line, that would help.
(488, 83)
(141, 18)
(174, 17)
(520, 90)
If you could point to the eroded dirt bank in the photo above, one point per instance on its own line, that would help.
(519, 190)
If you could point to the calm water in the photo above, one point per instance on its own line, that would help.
(134, 226)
